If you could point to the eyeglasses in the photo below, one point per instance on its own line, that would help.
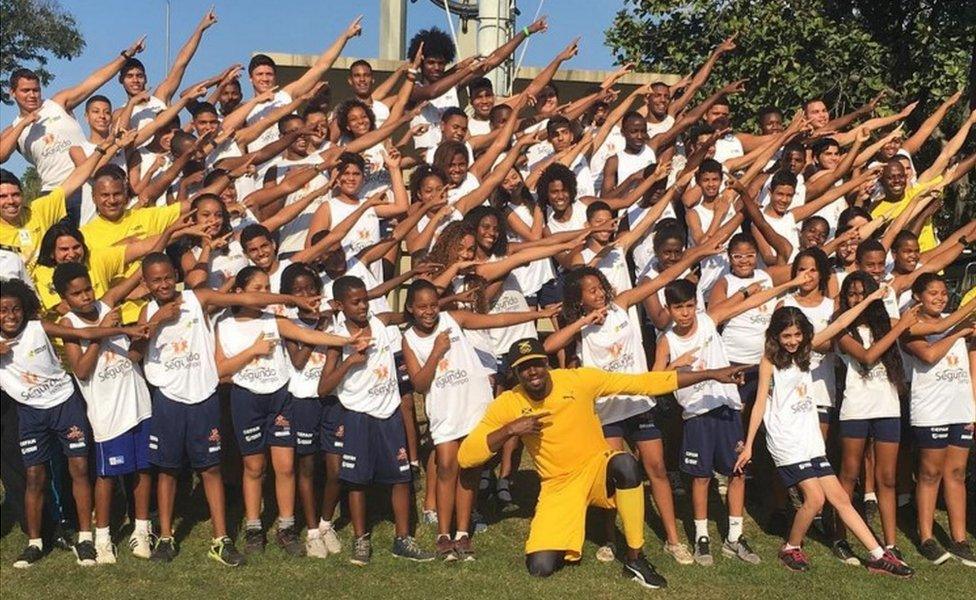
(743, 256)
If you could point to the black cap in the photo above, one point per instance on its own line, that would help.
(526, 349)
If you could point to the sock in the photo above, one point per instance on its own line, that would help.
(286, 522)
(142, 526)
(37, 543)
(102, 534)
(313, 533)
(701, 528)
(870, 496)
(889, 546)
(252, 524)
(877, 553)
(735, 529)
(324, 525)
(443, 535)
(84, 536)
(216, 540)
(630, 507)
(788, 546)
(460, 534)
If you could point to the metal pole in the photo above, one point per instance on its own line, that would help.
(166, 67)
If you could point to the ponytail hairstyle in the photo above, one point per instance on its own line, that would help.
(876, 318)
(783, 317)
(417, 286)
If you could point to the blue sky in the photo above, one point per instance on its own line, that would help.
(296, 26)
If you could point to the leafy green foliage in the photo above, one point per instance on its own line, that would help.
(29, 31)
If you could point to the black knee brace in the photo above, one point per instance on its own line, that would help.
(623, 472)
(543, 563)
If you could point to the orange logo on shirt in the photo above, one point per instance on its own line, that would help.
(801, 390)
(442, 365)
(30, 379)
(362, 234)
(75, 433)
(179, 346)
(48, 139)
(615, 349)
(316, 358)
(381, 372)
(214, 437)
(952, 359)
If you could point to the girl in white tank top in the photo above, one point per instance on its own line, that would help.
(743, 334)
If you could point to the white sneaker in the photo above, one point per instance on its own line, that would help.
(316, 548)
(430, 517)
(680, 553)
(141, 545)
(605, 553)
(105, 552)
(331, 540)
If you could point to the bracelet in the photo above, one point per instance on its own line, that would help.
(526, 31)
(745, 293)
(413, 71)
(125, 54)
(100, 150)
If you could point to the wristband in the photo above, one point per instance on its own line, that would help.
(100, 150)
(745, 293)
(526, 31)
(125, 54)
(413, 71)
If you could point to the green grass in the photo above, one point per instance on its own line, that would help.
(499, 571)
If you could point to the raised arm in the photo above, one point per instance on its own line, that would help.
(167, 115)
(800, 213)
(645, 288)
(872, 355)
(10, 135)
(71, 97)
(679, 103)
(325, 61)
(913, 144)
(545, 75)
(165, 90)
(727, 310)
(949, 150)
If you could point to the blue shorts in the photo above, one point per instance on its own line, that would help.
(638, 428)
(551, 292)
(373, 450)
(261, 420)
(331, 431)
(827, 414)
(943, 436)
(180, 431)
(403, 376)
(712, 442)
(808, 469)
(126, 453)
(887, 429)
(40, 427)
(306, 421)
(750, 383)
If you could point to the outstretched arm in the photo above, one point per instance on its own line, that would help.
(73, 96)
(950, 150)
(325, 61)
(679, 103)
(925, 130)
(165, 90)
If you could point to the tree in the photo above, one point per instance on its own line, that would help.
(29, 31)
(791, 50)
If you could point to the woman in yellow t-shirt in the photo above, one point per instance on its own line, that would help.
(65, 243)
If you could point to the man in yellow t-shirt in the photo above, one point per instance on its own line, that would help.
(553, 412)
(897, 196)
(115, 225)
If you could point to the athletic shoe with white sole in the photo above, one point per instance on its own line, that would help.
(889, 564)
(141, 544)
(224, 552)
(331, 539)
(843, 552)
(933, 552)
(315, 548)
(680, 553)
(464, 549)
(794, 559)
(703, 552)
(85, 553)
(28, 557)
(105, 552)
(165, 550)
(406, 547)
(606, 553)
(362, 551)
(643, 572)
(963, 552)
(740, 550)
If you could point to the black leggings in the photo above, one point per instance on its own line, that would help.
(623, 472)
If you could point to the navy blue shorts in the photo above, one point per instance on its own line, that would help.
(750, 383)
(125, 453)
(638, 428)
(261, 420)
(403, 376)
(827, 414)
(551, 292)
(331, 432)
(40, 427)
(712, 442)
(373, 450)
(887, 429)
(943, 436)
(180, 431)
(808, 469)
(306, 421)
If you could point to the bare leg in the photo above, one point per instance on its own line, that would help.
(954, 490)
(36, 482)
(165, 499)
(251, 484)
(81, 489)
(610, 515)
(103, 500)
(400, 497)
(885, 465)
(142, 494)
(409, 414)
(930, 465)
(813, 501)
(213, 488)
(737, 496)
(430, 483)
(852, 457)
(699, 497)
(652, 458)
(330, 498)
(306, 489)
(283, 463)
(447, 481)
(840, 499)
(357, 510)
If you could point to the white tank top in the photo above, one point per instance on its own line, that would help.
(293, 233)
(616, 346)
(728, 147)
(654, 129)
(653, 270)
(744, 335)
(868, 394)
(792, 426)
(281, 98)
(712, 267)
(304, 383)
(430, 115)
(46, 142)
(799, 193)
(381, 112)
(116, 392)
(180, 356)
(363, 234)
(576, 220)
(264, 374)
(628, 164)
(942, 394)
(460, 390)
(822, 365)
(643, 250)
(224, 264)
(710, 352)
(786, 226)
(467, 186)
(31, 372)
(146, 159)
(534, 275)
(145, 113)
(510, 299)
(613, 265)
(372, 387)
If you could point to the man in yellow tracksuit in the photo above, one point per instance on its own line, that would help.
(553, 412)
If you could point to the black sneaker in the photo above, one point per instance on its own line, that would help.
(165, 550)
(28, 557)
(406, 547)
(870, 510)
(62, 537)
(288, 540)
(889, 564)
(897, 552)
(703, 552)
(362, 550)
(643, 572)
(842, 551)
(85, 553)
(794, 559)
(963, 552)
(254, 541)
(224, 552)
(933, 552)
